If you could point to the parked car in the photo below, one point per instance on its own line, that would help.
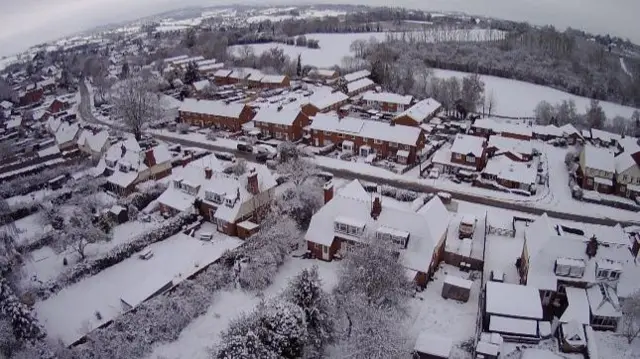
(224, 156)
(244, 147)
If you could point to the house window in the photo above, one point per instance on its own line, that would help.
(348, 229)
(377, 142)
(602, 274)
(279, 135)
(457, 156)
(471, 159)
(614, 275)
(325, 249)
(393, 144)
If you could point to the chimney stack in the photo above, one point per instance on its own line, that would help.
(328, 192)
(123, 150)
(252, 182)
(150, 159)
(376, 207)
(208, 173)
(592, 247)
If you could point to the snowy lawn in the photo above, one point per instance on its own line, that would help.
(29, 197)
(204, 332)
(71, 313)
(445, 317)
(198, 138)
(612, 345)
(519, 99)
(333, 47)
(28, 228)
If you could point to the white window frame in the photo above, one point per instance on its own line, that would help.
(602, 274)
(377, 141)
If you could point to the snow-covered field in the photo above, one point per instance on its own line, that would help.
(270, 15)
(333, 47)
(519, 99)
(71, 313)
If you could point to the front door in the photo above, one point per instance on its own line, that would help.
(325, 253)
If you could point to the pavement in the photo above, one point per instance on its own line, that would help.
(86, 114)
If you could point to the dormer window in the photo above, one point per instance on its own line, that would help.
(349, 226)
(401, 238)
(608, 270)
(177, 183)
(569, 267)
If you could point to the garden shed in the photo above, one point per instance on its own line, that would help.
(456, 288)
(430, 346)
(118, 214)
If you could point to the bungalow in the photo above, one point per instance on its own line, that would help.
(355, 76)
(236, 204)
(511, 174)
(467, 153)
(419, 113)
(492, 126)
(368, 137)
(597, 169)
(324, 102)
(386, 101)
(628, 174)
(556, 257)
(275, 81)
(93, 144)
(199, 87)
(604, 138)
(354, 216)
(283, 123)
(323, 74)
(215, 113)
(126, 165)
(546, 133)
(359, 86)
(516, 150)
(67, 136)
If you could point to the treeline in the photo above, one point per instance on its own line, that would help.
(565, 61)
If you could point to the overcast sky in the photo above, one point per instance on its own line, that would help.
(24, 23)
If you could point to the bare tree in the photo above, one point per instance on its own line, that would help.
(81, 231)
(619, 125)
(298, 170)
(596, 117)
(544, 113)
(136, 104)
(490, 103)
(631, 317)
(239, 168)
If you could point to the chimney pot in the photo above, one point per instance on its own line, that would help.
(328, 192)
(376, 207)
(208, 173)
(252, 182)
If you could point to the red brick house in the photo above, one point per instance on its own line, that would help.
(236, 204)
(31, 95)
(367, 137)
(324, 102)
(386, 101)
(352, 216)
(283, 123)
(275, 81)
(221, 77)
(419, 113)
(491, 126)
(467, 153)
(359, 86)
(218, 114)
(58, 106)
(597, 169)
(516, 150)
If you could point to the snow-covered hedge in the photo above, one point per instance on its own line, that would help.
(142, 199)
(25, 325)
(400, 194)
(115, 255)
(161, 319)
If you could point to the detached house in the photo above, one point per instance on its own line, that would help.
(367, 137)
(359, 86)
(126, 165)
(199, 87)
(386, 101)
(491, 126)
(325, 75)
(467, 153)
(67, 135)
(419, 113)
(597, 265)
(354, 216)
(236, 204)
(355, 76)
(515, 149)
(93, 144)
(597, 169)
(215, 113)
(275, 81)
(58, 106)
(283, 123)
(628, 174)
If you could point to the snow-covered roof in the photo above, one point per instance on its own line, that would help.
(509, 325)
(284, 116)
(246, 73)
(222, 73)
(604, 136)
(6, 104)
(465, 144)
(510, 144)
(175, 58)
(66, 132)
(354, 76)
(421, 110)
(532, 353)
(626, 160)
(514, 171)
(573, 333)
(513, 300)
(354, 204)
(504, 126)
(210, 67)
(14, 122)
(568, 129)
(220, 183)
(53, 124)
(272, 79)
(201, 85)
(123, 179)
(578, 308)
(325, 100)
(210, 107)
(387, 97)
(599, 159)
(432, 344)
(359, 85)
(603, 301)
(458, 282)
(96, 142)
(323, 72)
(407, 135)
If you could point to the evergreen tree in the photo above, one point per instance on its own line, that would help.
(305, 290)
(125, 71)
(299, 66)
(191, 75)
(25, 325)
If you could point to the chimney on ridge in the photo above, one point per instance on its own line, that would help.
(150, 159)
(123, 150)
(376, 206)
(252, 182)
(208, 173)
(328, 191)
